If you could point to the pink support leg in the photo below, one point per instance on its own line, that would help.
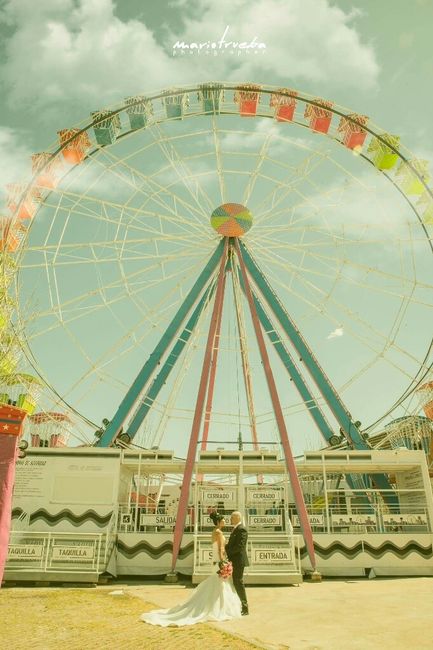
(212, 378)
(189, 465)
(290, 463)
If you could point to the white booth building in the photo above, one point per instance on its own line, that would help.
(81, 512)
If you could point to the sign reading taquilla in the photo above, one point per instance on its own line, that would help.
(73, 553)
(25, 551)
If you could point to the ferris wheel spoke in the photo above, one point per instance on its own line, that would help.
(321, 193)
(261, 157)
(141, 182)
(355, 318)
(58, 307)
(67, 258)
(220, 172)
(178, 164)
(296, 222)
(370, 271)
(304, 169)
(168, 187)
(293, 209)
(88, 208)
(116, 351)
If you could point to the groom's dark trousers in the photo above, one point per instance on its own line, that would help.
(237, 554)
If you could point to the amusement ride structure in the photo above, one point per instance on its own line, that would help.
(206, 240)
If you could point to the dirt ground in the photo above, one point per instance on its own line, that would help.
(87, 619)
(343, 614)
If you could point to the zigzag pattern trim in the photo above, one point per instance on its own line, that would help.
(375, 551)
(68, 515)
(152, 551)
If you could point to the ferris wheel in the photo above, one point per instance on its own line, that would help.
(316, 215)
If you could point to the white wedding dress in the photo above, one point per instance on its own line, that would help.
(214, 599)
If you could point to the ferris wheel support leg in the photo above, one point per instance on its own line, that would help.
(309, 401)
(318, 375)
(145, 373)
(169, 364)
(245, 365)
(329, 393)
(290, 463)
(212, 377)
(198, 413)
(302, 388)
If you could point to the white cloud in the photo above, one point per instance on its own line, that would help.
(336, 333)
(74, 53)
(14, 161)
(306, 39)
(79, 53)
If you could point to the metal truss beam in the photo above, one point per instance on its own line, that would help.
(139, 384)
(169, 364)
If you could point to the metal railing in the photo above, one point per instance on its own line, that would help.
(49, 552)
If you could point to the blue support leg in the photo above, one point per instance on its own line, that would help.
(145, 373)
(329, 393)
(309, 400)
(342, 416)
(169, 364)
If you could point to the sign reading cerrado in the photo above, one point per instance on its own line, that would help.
(219, 47)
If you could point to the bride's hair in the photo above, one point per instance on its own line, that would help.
(216, 517)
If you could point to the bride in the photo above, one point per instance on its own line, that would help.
(215, 598)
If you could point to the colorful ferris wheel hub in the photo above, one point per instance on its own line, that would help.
(231, 220)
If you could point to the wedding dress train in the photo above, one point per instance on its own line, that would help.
(214, 599)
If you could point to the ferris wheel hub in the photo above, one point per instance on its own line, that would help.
(231, 220)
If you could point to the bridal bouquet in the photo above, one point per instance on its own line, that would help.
(225, 569)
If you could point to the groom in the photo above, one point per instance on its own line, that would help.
(236, 550)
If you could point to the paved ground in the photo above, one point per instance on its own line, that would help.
(385, 614)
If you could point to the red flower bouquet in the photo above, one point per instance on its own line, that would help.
(225, 569)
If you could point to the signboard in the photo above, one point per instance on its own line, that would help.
(272, 555)
(72, 479)
(126, 519)
(206, 556)
(160, 520)
(411, 481)
(264, 520)
(25, 551)
(206, 520)
(30, 478)
(315, 520)
(73, 553)
(255, 495)
(212, 497)
(354, 520)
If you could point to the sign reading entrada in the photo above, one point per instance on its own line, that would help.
(219, 47)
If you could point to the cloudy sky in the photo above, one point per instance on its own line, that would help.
(66, 58)
(70, 57)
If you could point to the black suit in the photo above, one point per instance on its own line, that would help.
(236, 550)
